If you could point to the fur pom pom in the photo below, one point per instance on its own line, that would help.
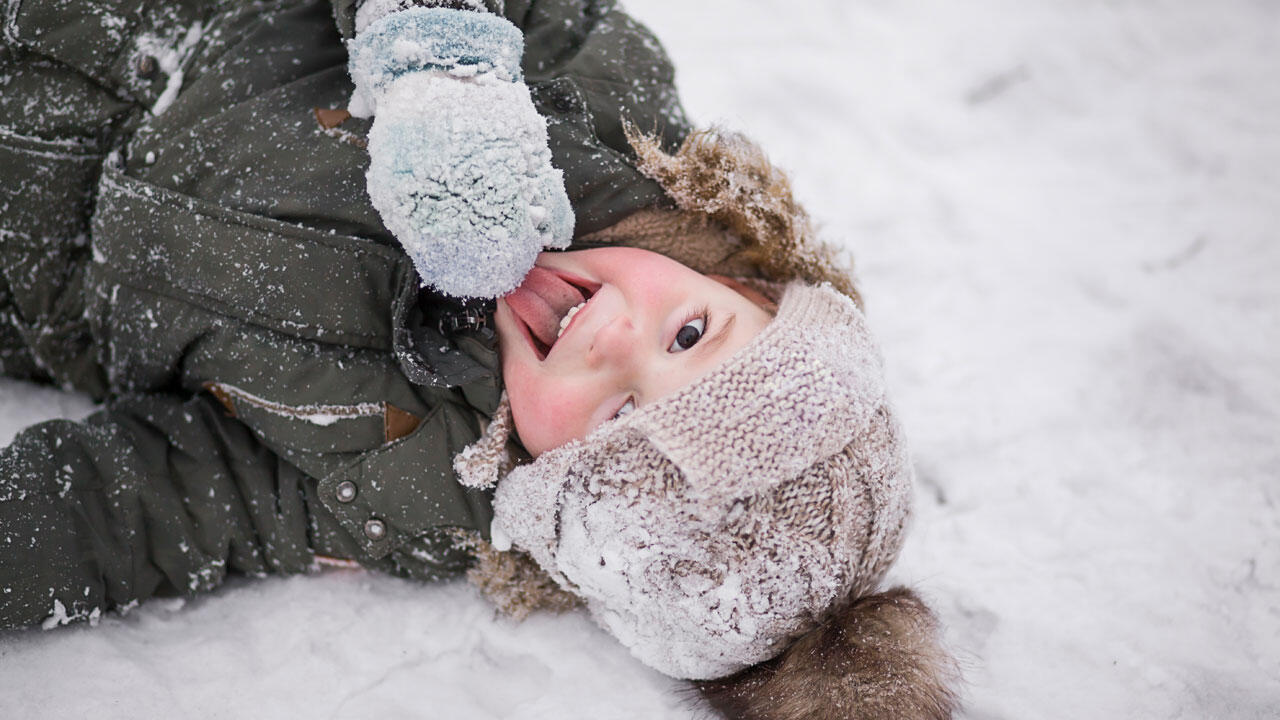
(729, 179)
(514, 583)
(878, 657)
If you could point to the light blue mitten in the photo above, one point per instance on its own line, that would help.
(459, 166)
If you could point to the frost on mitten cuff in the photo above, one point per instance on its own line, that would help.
(457, 43)
(370, 11)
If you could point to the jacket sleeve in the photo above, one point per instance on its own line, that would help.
(151, 496)
(133, 49)
(71, 74)
(54, 128)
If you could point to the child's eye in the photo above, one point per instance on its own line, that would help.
(688, 335)
(626, 408)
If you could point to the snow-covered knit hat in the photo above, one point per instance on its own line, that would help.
(708, 529)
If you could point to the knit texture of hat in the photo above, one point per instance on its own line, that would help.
(708, 529)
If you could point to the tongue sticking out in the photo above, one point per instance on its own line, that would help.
(541, 301)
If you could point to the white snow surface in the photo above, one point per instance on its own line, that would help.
(1064, 215)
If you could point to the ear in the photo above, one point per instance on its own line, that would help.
(748, 292)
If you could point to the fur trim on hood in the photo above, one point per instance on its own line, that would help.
(877, 658)
(514, 583)
(726, 178)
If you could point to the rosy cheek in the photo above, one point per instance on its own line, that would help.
(563, 411)
(522, 391)
(546, 414)
(558, 417)
(530, 425)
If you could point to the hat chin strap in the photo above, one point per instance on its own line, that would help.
(481, 463)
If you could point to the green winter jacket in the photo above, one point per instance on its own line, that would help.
(185, 234)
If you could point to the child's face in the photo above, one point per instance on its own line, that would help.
(650, 327)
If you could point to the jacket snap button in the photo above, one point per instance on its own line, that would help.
(375, 529)
(145, 66)
(346, 491)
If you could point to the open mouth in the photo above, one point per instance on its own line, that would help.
(546, 304)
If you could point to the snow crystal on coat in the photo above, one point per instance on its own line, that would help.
(323, 415)
(171, 54)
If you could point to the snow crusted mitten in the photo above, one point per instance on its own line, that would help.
(459, 165)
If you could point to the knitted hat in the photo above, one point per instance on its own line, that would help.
(708, 529)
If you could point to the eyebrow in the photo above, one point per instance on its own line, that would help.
(707, 347)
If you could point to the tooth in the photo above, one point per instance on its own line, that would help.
(564, 322)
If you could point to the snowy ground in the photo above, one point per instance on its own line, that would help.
(1065, 215)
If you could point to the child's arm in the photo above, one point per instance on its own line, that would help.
(150, 496)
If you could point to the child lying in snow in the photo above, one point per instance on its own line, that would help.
(709, 464)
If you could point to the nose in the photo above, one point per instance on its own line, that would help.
(614, 346)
